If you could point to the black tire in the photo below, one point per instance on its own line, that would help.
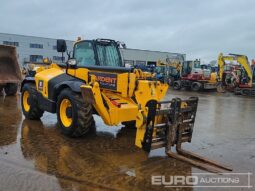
(82, 118)
(34, 113)
(177, 85)
(11, 89)
(196, 86)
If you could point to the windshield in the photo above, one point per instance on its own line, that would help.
(173, 71)
(84, 54)
(108, 55)
(197, 64)
(160, 69)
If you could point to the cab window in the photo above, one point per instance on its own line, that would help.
(108, 55)
(84, 54)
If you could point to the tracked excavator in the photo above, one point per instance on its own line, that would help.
(94, 81)
(239, 77)
(10, 74)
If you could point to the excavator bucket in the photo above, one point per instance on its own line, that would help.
(9, 67)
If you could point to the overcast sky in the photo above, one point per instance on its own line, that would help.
(198, 28)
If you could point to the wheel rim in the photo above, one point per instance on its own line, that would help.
(65, 104)
(26, 105)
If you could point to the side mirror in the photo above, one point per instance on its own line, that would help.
(72, 62)
(61, 45)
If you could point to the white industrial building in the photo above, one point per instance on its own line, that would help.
(146, 57)
(34, 49)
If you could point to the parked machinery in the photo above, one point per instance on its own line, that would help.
(238, 77)
(31, 67)
(95, 81)
(194, 77)
(10, 74)
(168, 71)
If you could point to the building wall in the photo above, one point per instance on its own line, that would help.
(45, 48)
(137, 56)
(40, 46)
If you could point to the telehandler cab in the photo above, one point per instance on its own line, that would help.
(94, 81)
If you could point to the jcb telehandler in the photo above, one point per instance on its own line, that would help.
(95, 82)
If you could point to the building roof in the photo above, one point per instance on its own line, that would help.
(31, 36)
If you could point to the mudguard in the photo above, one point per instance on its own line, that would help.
(27, 80)
(73, 84)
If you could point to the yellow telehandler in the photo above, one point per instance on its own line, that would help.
(95, 82)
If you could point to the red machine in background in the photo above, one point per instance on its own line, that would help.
(194, 77)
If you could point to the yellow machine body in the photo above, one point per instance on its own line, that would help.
(126, 102)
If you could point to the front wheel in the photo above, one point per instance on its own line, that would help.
(74, 114)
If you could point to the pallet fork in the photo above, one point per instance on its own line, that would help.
(178, 129)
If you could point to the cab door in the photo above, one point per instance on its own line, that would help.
(85, 56)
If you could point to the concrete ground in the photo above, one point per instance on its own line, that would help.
(34, 155)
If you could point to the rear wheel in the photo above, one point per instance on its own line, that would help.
(11, 89)
(29, 102)
(196, 86)
(74, 114)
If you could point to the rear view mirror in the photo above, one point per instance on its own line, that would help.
(61, 45)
